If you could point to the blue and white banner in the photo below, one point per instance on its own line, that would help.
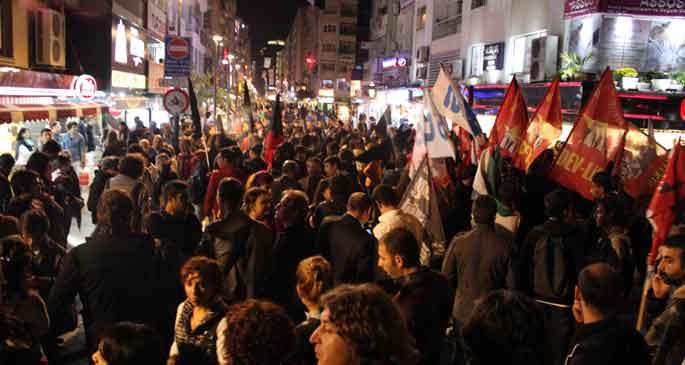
(450, 103)
(432, 136)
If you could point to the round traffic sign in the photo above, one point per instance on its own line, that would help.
(178, 48)
(176, 101)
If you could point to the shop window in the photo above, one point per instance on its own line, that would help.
(342, 85)
(421, 17)
(6, 28)
(421, 73)
(326, 84)
(475, 4)
(329, 28)
(348, 10)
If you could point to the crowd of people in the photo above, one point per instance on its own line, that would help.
(237, 250)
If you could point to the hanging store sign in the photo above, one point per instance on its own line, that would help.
(128, 47)
(394, 62)
(127, 80)
(177, 61)
(156, 20)
(574, 8)
(84, 87)
(493, 56)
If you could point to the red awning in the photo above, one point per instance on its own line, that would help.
(17, 113)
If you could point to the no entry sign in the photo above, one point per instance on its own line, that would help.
(176, 101)
(177, 62)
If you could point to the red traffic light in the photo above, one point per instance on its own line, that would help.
(310, 59)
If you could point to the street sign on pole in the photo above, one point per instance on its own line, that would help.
(181, 83)
(176, 101)
(177, 60)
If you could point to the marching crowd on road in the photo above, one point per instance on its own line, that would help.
(288, 245)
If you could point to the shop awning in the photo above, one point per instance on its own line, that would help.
(10, 113)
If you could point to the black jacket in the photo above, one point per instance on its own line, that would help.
(115, 278)
(608, 342)
(349, 248)
(5, 193)
(666, 335)
(96, 189)
(21, 203)
(292, 245)
(184, 231)
(424, 299)
(243, 248)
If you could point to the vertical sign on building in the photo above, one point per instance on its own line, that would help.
(493, 56)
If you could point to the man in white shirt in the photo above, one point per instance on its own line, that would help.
(385, 198)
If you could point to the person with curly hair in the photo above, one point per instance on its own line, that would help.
(199, 315)
(360, 324)
(255, 332)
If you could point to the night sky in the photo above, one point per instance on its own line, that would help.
(268, 19)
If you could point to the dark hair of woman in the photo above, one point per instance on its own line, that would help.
(114, 213)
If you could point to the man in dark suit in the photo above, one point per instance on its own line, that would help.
(345, 243)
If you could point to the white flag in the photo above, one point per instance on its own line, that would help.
(432, 138)
(450, 103)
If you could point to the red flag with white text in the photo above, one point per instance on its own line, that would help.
(511, 122)
(643, 164)
(668, 202)
(543, 130)
(595, 140)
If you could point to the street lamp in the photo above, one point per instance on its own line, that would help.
(217, 39)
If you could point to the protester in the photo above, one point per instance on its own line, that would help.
(175, 222)
(294, 242)
(361, 325)
(421, 293)
(75, 143)
(199, 315)
(602, 338)
(6, 166)
(257, 202)
(471, 254)
(666, 336)
(129, 343)
(131, 170)
(391, 217)
(22, 305)
(286, 181)
(255, 333)
(229, 166)
(111, 272)
(242, 246)
(344, 242)
(334, 196)
(309, 183)
(314, 278)
(46, 254)
(505, 328)
(109, 167)
(113, 146)
(551, 259)
(68, 188)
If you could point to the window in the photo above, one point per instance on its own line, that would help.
(326, 84)
(347, 47)
(475, 4)
(342, 85)
(348, 10)
(348, 29)
(328, 67)
(421, 18)
(6, 29)
(329, 28)
(329, 48)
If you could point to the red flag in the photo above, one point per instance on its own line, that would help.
(669, 196)
(544, 129)
(511, 121)
(595, 140)
(643, 164)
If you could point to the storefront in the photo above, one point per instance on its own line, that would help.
(406, 104)
(128, 75)
(33, 100)
(644, 43)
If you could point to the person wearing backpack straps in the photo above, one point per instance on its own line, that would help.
(242, 246)
(550, 260)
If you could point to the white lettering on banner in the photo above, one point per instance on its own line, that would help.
(448, 101)
(431, 135)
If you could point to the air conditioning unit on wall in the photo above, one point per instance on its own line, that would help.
(50, 38)
(543, 57)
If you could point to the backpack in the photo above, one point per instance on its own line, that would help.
(552, 269)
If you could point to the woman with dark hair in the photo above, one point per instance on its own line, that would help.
(23, 317)
(257, 205)
(113, 146)
(255, 332)
(360, 324)
(260, 179)
(335, 192)
(24, 147)
(68, 189)
(128, 343)
(197, 318)
(40, 163)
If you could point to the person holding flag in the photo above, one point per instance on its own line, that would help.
(274, 137)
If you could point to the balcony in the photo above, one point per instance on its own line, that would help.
(446, 28)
